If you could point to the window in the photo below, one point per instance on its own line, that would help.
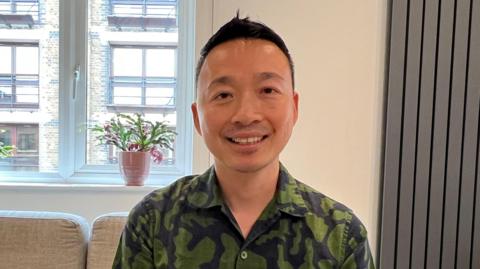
(19, 12)
(19, 75)
(143, 76)
(63, 73)
(144, 14)
(25, 137)
(30, 86)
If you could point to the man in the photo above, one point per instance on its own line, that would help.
(246, 211)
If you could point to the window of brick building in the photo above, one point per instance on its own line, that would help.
(19, 77)
(29, 86)
(25, 138)
(19, 12)
(143, 76)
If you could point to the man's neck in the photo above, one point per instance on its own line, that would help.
(243, 188)
(247, 194)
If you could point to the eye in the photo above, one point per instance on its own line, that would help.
(223, 95)
(268, 90)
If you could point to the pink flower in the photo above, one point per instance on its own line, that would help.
(157, 155)
(147, 129)
(133, 147)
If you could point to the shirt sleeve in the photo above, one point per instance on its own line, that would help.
(357, 249)
(135, 249)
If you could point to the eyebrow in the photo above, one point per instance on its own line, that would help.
(221, 80)
(269, 75)
(260, 76)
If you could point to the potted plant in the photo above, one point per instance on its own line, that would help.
(138, 140)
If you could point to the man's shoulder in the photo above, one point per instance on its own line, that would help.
(323, 210)
(188, 191)
(306, 196)
(173, 193)
(321, 205)
(335, 223)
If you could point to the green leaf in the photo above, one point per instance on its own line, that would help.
(124, 130)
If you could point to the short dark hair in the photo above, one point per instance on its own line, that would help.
(243, 28)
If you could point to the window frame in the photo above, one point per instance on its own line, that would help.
(141, 82)
(72, 167)
(15, 130)
(15, 82)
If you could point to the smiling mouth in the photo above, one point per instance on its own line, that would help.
(247, 140)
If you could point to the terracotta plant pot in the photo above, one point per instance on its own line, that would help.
(134, 167)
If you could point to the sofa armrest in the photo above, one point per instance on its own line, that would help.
(41, 240)
(105, 235)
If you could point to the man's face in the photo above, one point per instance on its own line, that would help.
(246, 107)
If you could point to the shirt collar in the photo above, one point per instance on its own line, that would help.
(288, 197)
(205, 193)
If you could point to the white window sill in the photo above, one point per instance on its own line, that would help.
(15, 186)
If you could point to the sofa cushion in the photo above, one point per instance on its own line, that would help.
(105, 235)
(42, 240)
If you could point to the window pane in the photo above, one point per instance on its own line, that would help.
(32, 122)
(160, 62)
(5, 135)
(166, 11)
(160, 96)
(27, 94)
(122, 10)
(127, 62)
(6, 62)
(26, 142)
(5, 95)
(27, 60)
(5, 7)
(28, 8)
(127, 96)
(126, 66)
(25, 137)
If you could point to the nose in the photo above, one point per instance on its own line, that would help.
(248, 111)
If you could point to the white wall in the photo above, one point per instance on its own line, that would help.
(338, 49)
(87, 201)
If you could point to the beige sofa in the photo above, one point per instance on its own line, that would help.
(51, 240)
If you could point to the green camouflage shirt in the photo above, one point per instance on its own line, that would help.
(187, 225)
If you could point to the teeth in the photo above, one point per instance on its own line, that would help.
(248, 140)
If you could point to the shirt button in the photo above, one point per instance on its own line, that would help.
(244, 255)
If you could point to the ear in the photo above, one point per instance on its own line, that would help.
(295, 108)
(195, 118)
